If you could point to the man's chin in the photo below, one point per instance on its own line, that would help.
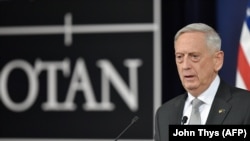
(190, 87)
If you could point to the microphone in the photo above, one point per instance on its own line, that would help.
(131, 123)
(184, 120)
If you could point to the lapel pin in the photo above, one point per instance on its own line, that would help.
(221, 111)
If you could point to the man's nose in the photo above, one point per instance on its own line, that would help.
(186, 63)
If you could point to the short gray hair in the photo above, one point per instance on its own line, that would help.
(212, 37)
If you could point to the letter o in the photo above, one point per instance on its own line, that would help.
(32, 89)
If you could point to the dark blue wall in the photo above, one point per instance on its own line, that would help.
(230, 16)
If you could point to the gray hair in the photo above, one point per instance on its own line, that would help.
(212, 37)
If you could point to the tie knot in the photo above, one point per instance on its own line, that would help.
(197, 103)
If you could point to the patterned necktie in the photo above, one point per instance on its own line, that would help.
(195, 117)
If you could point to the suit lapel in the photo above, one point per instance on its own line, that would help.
(180, 106)
(220, 106)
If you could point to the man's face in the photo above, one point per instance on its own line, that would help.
(196, 65)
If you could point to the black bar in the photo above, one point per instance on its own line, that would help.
(210, 132)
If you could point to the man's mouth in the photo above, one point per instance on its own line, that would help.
(188, 77)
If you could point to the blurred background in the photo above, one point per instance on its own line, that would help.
(82, 70)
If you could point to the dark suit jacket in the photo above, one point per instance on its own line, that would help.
(235, 103)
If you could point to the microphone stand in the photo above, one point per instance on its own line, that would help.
(131, 123)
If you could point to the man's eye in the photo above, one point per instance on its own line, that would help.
(179, 58)
(195, 57)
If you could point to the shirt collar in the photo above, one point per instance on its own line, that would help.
(208, 95)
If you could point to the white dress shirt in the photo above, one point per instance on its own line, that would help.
(207, 97)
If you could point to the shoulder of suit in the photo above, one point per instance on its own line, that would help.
(236, 90)
(176, 100)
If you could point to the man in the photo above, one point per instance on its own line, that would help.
(199, 58)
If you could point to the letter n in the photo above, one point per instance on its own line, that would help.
(110, 76)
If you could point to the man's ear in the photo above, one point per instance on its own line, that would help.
(219, 59)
